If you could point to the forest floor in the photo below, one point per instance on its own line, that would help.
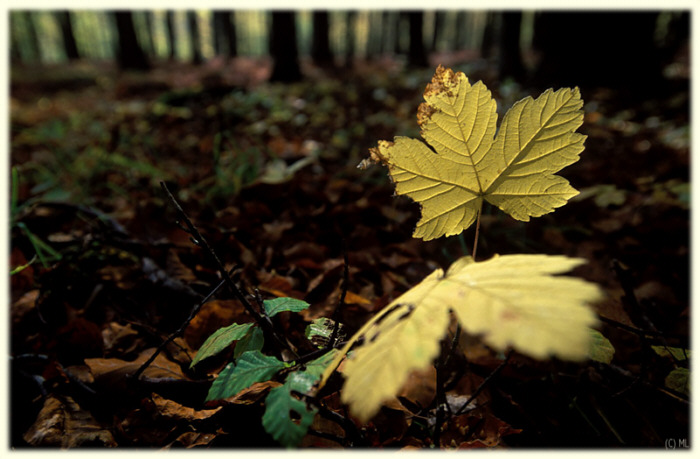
(268, 172)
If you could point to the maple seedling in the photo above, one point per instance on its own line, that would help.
(511, 301)
(469, 163)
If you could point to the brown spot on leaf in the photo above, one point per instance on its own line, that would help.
(425, 111)
(443, 81)
(375, 153)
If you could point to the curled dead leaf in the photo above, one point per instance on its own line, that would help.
(63, 423)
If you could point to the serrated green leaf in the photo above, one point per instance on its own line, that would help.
(278, 305)
(286, 418)
(467, 162)
(511, 301)
(679, 380)
(252, 367)
(678, 353)
(220, 340)
(252, 341)
(601, 349)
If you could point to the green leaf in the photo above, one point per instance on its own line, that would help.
(320, 330)
(601, 349)
(252, 367)
(466, 163)
(277, 305)
(220, 340)
(286, 417)
(252, 341)
(316, 367)
(678, 353)
(679, 380)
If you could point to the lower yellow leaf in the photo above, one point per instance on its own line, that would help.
(511, 301)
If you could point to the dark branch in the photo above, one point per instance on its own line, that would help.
(264, 322)
(177, 332)
(344, 290)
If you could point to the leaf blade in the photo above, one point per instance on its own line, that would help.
(277, 305)
(512, 301)
(252, 367)
(220, 340)
(286, 418)
(467, 162)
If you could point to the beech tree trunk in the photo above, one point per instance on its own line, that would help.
(320, 43)
(350, 24)
(69, 44)
(224, 28)
(193, 28)
(510, 63)
(417, 56)
(283, 47)
(129, 54)
(170, 32)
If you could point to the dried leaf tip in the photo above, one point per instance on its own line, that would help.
(443, 81)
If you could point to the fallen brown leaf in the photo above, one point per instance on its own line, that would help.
(63, 423)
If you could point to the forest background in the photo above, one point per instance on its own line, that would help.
(235, 114)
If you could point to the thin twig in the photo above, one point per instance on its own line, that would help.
(440, 397)
(177, 332)
(353, 434)
(341, 301)
(483, 384)
(264, 322)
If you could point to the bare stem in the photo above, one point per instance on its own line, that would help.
(476, 234)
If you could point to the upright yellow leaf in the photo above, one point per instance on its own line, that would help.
(468, 163)
(512, 301)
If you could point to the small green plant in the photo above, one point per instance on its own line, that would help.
(42, 251)
(286, 418)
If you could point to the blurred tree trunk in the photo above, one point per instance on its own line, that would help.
(283, 47)
(460, 37)
(350, 26)
(610, 49)
(217, 33)
(510, 63)
(32, 36)
(69, 44)
(399, 19)
(224, 34)
(230, 34)
(320, 43)
(129, 54)
(170, 32)
(193, 28)
(15, 53)
(417, 56)
(488, 42)
(438, 30)
(386, 32)
(150, 43)
(374, 35)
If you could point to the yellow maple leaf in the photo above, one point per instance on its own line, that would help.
(511, 301)
(468, 163)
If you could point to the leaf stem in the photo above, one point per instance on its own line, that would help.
(476, 233)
